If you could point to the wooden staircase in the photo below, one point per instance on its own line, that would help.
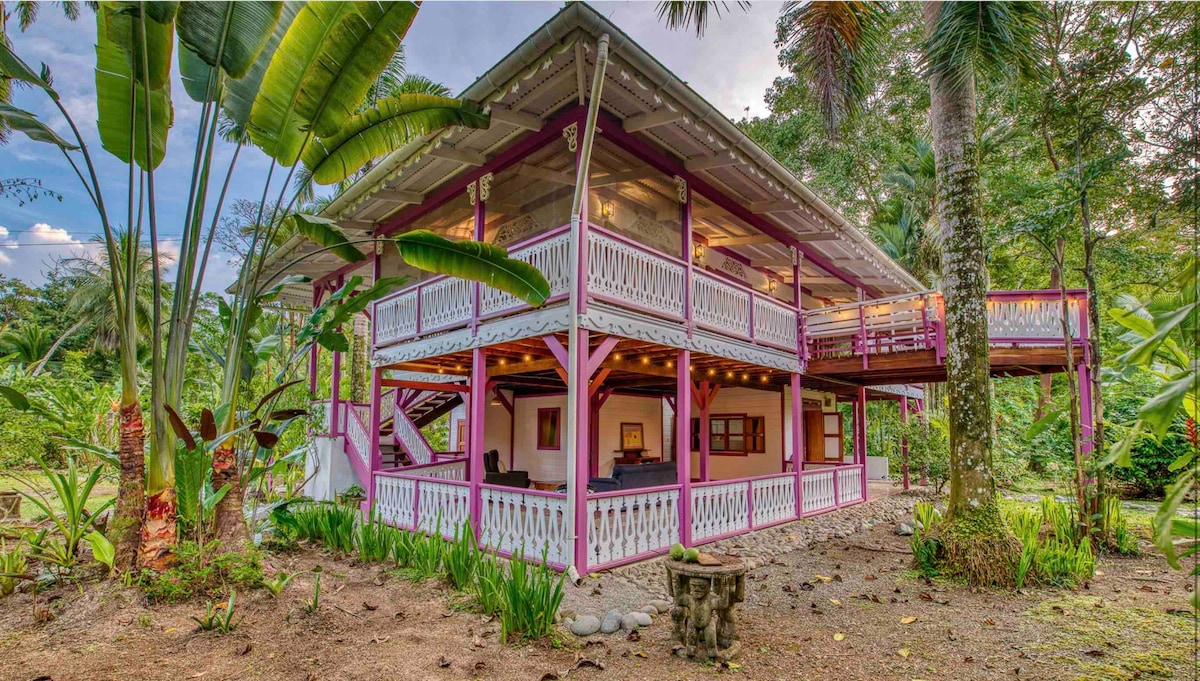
(424, 410)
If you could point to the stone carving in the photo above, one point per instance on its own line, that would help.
(705, 597)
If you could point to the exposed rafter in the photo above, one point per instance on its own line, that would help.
(518, 119)
(709, 162)
(652, 119)
(467, 156)
(399, 196)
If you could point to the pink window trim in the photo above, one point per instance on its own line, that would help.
(557, 428)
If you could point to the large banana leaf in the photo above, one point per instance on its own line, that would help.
(194, 73)
(12, 66)
(390, 125)
(233, 33)
(25, 122)
(325, 232)
(322, 325)
(240, 92)
(122, 22)
(113, 82)
(476, 261)
(275, 125)
(162, 11)
(357, 52)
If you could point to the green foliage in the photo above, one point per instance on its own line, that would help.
(461, 559)
(375, 539)
(928, 447)
(12, 563)
(1114, 530)
(202, 570)
(276, 584)
(61, 547)
(531, 596)
(1052, 552)
(215, 619)
(331, 524)
(314, 604)
(926, 546)
(102, 549)
(489, 584)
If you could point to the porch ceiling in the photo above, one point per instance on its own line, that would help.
(551, 71)
(529, 367)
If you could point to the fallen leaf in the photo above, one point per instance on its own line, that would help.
(835, 601)
(839, 636)
(908, 620)
(1095, 652)
(443, 662)
(903, 652)
(633, 636)
(369, 607)
(823, 578)
(638, 653)
(869, 578)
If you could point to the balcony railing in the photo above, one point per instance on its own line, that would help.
(916, 322)
(620, 271)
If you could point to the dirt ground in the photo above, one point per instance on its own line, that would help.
(1131, 622)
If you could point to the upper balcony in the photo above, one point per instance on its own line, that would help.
(620, 272)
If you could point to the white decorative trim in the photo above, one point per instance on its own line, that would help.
(571, 135)
(626, 323)
(681, 187)
(471, 193)
(527, 325)
(485, 187)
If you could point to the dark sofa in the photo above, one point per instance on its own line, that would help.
(636, 476)
(492, 475)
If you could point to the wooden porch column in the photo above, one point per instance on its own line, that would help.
(704, 434)
(375, 457)
(860, 435)
(476, 415)
(904, 441)
(578, 377)
(683, 443)
(798, 444)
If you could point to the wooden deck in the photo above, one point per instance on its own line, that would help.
(922, 366)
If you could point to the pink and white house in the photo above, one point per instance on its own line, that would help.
(708, 315)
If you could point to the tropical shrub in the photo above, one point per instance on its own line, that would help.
(12, 563)
(489, 584)
(202, 571)
(215, 619)
(329, 524)
(926, 546)
(59, 545)
(375, 539)
(461, 559)
(531, 596)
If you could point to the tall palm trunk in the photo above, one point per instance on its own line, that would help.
(229, 521)
(978, 544)
(127, 518)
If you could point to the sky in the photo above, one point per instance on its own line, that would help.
(450, 42)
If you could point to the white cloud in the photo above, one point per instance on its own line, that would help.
(28, 254)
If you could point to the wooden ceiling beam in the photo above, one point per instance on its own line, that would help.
(652, 119)
(517, 119)
(699, 163)
(467, 156)
(718, 241)
(399, 196)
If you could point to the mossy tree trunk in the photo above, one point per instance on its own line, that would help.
(978, 545)
(124, 530)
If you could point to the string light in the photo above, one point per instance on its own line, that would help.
(712, 372)
(670, 363)
(617, 356)
(503, 361)
(645, 360)
(528, 358)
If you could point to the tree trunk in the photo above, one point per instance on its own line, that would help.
(1094, 357)
(159, 531)
(229, 522)
(978, 545)
(123, 530)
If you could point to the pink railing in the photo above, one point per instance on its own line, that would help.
(443, 303)
(629, 525)
(524, 522)
(916, 322)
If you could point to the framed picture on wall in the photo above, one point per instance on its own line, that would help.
(632, 436)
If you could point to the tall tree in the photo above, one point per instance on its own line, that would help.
(837, 44)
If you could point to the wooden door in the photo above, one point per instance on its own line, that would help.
(814, 436)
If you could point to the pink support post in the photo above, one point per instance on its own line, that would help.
(683, 443)
(798, 443)
(476, 415)
(686, 216)
(860, 436)
(313, 357)
(582, 458)
(376, 455)
(1087, 424)
(335, 390)
(704, 432)
(904, 440)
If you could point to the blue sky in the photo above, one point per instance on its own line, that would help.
(450, 42)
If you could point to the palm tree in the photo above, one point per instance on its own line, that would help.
(93, 297)
(26, 344)
(837, 43)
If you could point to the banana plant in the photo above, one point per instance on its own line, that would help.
(290, 78)
(1162, 335)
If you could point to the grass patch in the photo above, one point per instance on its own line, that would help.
(1098, 640)
(202, 571)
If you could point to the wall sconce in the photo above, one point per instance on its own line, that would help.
(606, 209)
(698, 251)
(495, 400)
(772, 285)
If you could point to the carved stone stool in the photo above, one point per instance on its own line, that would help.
(704, 598)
